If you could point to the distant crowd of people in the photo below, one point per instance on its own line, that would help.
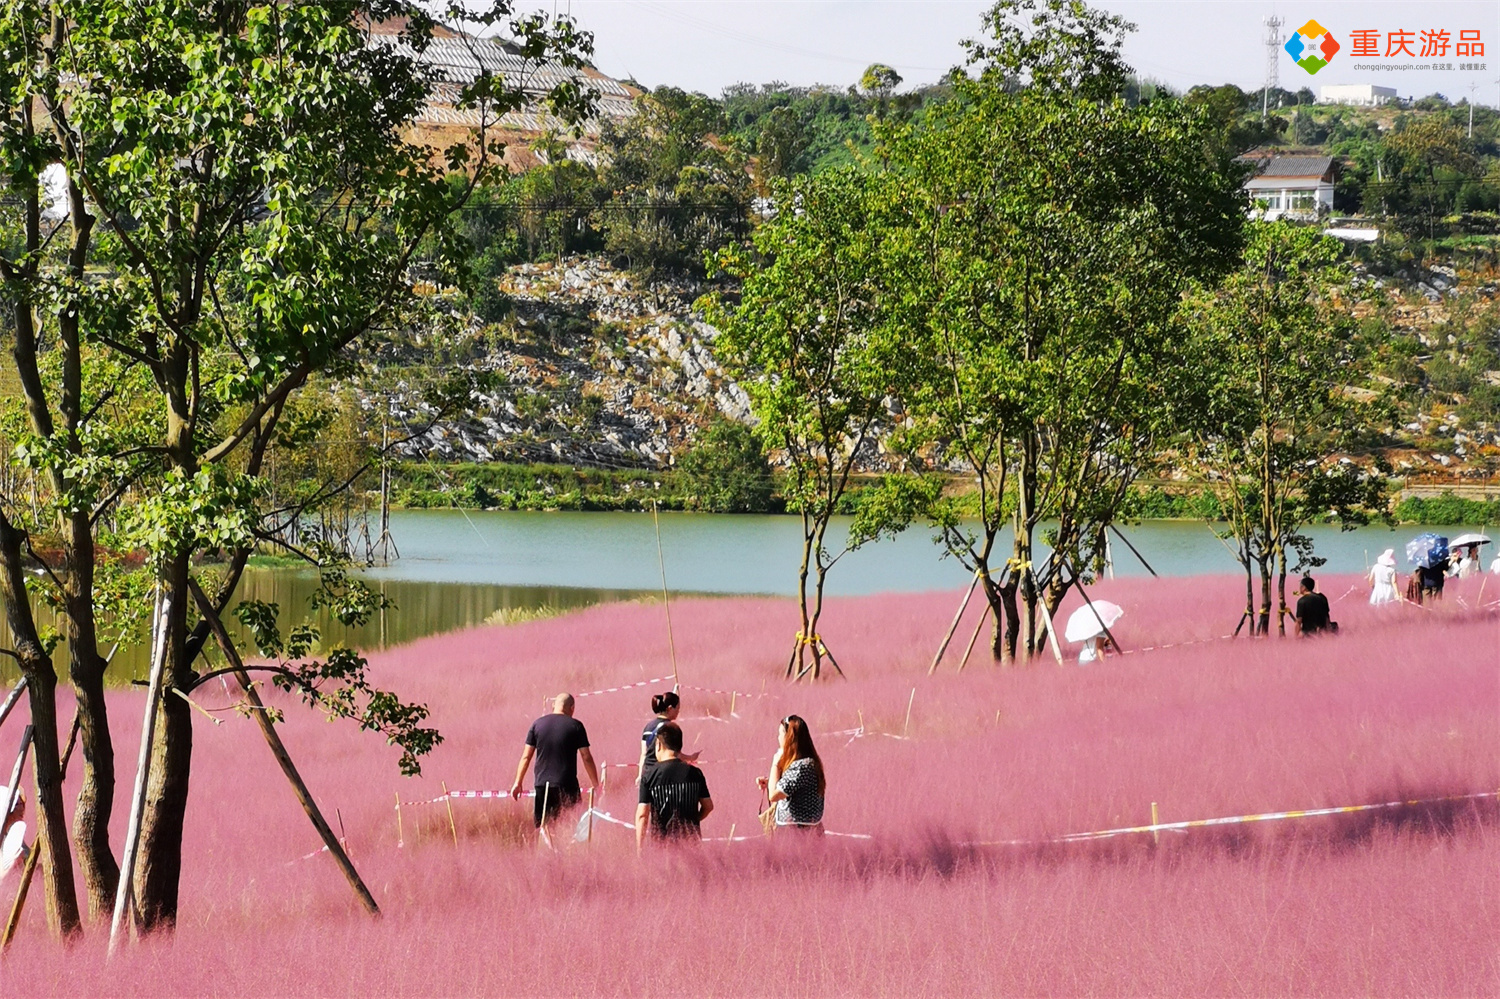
(672, 796)
(1425, 581)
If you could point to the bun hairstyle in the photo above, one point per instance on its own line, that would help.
(664, 702)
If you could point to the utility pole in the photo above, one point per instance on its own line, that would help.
(1273, 63)
(1473, 92)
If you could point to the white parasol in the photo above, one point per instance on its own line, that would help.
(1090, 620)
(1465, 540)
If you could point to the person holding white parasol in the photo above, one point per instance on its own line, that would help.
(1467, 545)
(1088, 625)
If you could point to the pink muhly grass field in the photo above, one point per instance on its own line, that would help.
(1401, 705)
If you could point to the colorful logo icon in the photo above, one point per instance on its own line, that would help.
(1312, 47)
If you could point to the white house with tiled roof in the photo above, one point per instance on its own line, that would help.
(1299, 187)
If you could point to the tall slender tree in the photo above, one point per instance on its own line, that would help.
(816, 340)
(243, 208)
(1056, 230)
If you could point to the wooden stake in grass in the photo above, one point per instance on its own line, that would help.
(448, 803)
(400, 835)
(953, 627)
(590, 836)
(1155, 834)
(142, 771)
(283, 759)
(1047, 617)
(665, 600)
(11, 699)
(974, 638)
(909, 702)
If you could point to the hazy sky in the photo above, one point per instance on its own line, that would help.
(706, 45)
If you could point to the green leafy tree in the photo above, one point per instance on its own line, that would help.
(816, 341)
(240, 215)
(1435, 161)
(1051, 238)
(726, 471)
(1277, 353)
(678, 190)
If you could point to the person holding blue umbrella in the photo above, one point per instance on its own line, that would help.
(1429, 553)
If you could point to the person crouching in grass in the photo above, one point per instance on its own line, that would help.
(674, 795)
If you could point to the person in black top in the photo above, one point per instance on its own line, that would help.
(1433, 576)
(556, 741)
(1312, 609)
(665, 706)
(674, 796)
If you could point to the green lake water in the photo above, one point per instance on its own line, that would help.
(459, 568)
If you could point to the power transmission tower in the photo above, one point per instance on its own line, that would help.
(1273, 62)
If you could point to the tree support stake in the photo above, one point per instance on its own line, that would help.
(278, 750)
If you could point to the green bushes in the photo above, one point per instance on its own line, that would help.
(726, 471)
(1447, 509)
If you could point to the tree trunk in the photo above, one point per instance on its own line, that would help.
(1265, 594)
(794, 666)
(1007, 595)
(1281, 591)
(96, 792)
(41, 686)
(159, 860)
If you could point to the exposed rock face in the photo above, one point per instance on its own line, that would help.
(598, 371)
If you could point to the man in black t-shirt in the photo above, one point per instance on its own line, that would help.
(556, 741)
(674, 796)
(1312, 609)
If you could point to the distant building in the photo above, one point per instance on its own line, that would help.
(1297, 187)
(1361, 94)
(461, 59)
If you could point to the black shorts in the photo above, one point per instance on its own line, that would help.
(556, 797)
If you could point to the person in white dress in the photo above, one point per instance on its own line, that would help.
(1383, 576)
(1468, 565)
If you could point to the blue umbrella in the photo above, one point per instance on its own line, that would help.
(1427, 550)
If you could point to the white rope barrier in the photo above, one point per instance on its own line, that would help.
(1227, 820)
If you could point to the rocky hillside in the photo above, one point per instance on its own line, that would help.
(596, 370)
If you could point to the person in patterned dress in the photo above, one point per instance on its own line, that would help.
(797, 783)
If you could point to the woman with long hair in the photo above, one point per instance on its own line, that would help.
(797, 783)
(665, 707)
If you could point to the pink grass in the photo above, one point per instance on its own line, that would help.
(1401, 705)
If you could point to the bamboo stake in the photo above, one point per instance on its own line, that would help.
(665, 600)
(11, 699)
(954, 626)
(1137, 554)
(1041, 601)
(448, 802)
(541, 829)
(974, 638)
(142, 770)
(909, 702)
(591, 816)
(730, 841)
(734, 694)
(400, 836)
(13, 790)
(278, 750)
(1155, 834)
